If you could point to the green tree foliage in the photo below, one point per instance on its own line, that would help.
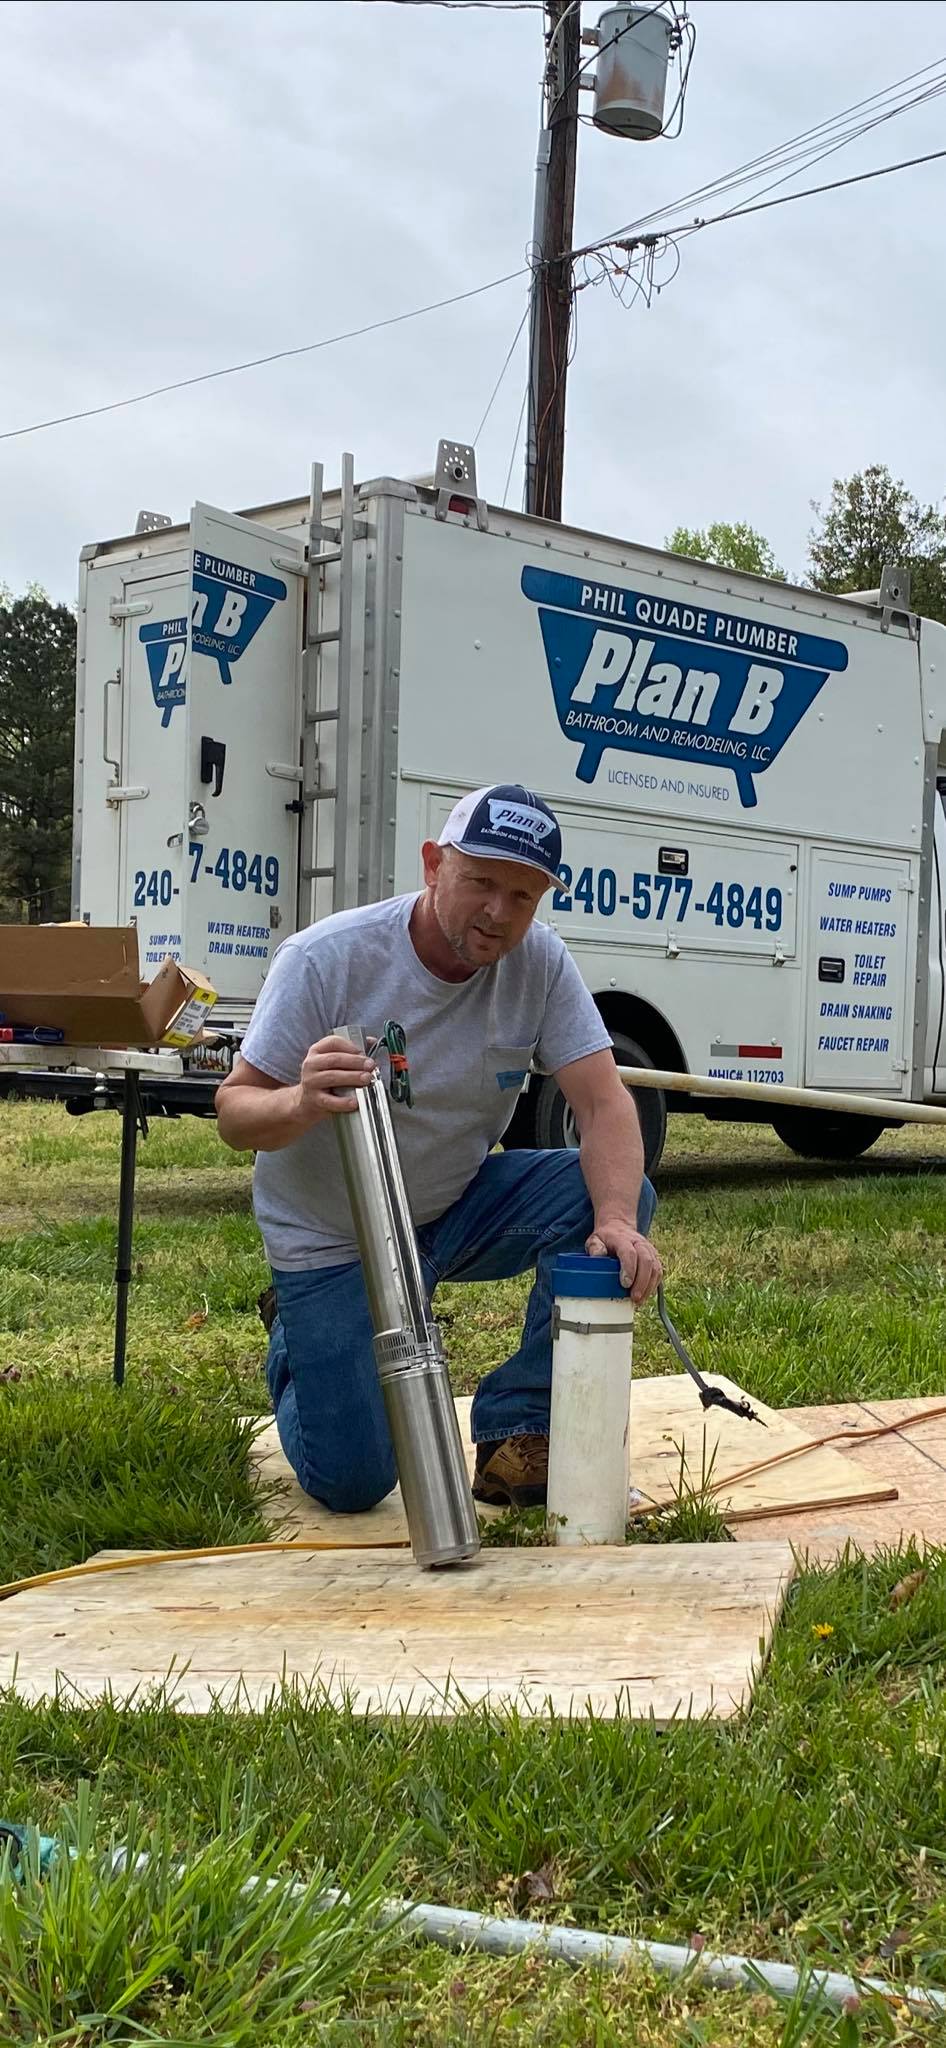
(37, 718)
(872, 520)
(730, 545)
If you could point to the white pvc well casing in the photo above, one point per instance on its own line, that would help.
(589, 1430)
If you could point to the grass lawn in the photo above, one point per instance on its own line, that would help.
(814, 1828)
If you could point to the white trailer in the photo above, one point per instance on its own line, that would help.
(276, 708)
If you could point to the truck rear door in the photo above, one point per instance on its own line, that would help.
(149, 705)
(241, 787)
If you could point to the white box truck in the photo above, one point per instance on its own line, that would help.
(275, 708)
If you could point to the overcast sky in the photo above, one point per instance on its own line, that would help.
(189, 185)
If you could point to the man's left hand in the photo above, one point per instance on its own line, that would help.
(641, 1270)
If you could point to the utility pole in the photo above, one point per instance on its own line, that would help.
(634, 42)
(550, 318)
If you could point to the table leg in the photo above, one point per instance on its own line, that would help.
(131, 1114)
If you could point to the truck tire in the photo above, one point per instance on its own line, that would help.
(555, 1128)
(519, 1135)
(817, 1134)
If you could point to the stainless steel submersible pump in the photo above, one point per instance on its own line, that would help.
(408, 1348)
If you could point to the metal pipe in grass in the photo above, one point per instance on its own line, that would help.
(451, 1928)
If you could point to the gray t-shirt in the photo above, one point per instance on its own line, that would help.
(470, 1045)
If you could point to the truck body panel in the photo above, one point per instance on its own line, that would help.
(746, 773)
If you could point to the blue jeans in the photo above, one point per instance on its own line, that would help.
(520, 1210)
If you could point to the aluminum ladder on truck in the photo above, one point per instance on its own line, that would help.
(330, 697)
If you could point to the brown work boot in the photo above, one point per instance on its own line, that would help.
(512, 1473)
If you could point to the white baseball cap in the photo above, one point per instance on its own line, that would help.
(506, 821)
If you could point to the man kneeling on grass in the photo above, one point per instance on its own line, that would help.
(482, 992)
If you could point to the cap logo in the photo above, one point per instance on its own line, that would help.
(522, 818)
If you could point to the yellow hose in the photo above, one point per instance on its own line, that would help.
(124, 1564)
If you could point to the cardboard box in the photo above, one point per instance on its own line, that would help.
(85, 981)
(188, 1027)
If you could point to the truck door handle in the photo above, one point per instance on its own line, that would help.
(111, 682)
(213, 760)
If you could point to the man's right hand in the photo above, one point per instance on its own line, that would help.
(331, 1073)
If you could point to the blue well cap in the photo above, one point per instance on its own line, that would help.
(506, 821)
(588, 1279)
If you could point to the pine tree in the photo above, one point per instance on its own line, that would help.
(37, 718)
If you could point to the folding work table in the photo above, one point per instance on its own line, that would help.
(101, 1076)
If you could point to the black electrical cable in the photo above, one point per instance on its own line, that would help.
(935, 91)
(687, 28)
(776, 157)
(809, 139)
(496, 387)
(463, 6)
(257, 362)
(515, 444)
(810, 192)
(394, 1040)
(458, 298)
(710, 1397)
(678, 229)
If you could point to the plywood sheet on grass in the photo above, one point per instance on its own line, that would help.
(665, 1417)
(660, 1630)
(913, 1461)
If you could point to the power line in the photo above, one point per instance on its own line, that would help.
(773, 158)
(515, 444)
(670, 236)
(806, 144)
(934, 90)
(800, 152)
(908, 163)
(457, 298)
(832, 148)
(496, 387)
(280, 355)
(463, 6)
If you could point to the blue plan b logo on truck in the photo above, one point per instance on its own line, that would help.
(165, 646)
(648, 675)
(228, 606)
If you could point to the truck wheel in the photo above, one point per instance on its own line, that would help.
(555, 1126)
(816, 1134)
(520, 1133)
